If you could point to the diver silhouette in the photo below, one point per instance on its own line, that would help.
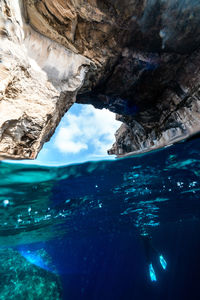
(156, 261)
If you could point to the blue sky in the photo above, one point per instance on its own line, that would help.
(84, 134)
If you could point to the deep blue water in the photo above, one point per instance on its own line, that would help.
(99, 228)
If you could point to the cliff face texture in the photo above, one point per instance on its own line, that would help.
(138, 58)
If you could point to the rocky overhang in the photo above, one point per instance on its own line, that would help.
(137, 58)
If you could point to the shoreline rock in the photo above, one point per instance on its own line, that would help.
(139, 59)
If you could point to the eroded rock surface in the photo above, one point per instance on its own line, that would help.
(22, 277)
(138, 58)
(39, 83)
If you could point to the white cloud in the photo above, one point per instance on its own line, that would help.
(90, 128)
(67, 139)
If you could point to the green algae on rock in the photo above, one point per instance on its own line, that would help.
(21, 279)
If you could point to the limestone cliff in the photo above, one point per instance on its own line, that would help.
(138, 58)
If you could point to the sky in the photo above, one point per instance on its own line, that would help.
(84, 134)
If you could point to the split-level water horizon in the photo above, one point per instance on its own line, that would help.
(123, 229)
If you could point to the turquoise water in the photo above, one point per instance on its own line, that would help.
(123, 229)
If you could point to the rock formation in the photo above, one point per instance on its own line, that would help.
(138, 58)
(23, 275)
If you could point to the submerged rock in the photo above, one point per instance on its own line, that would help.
(21, 279)
(137, 58)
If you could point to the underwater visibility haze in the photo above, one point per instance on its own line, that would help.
(123, 229)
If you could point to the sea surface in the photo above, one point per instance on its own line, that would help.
(122, 229)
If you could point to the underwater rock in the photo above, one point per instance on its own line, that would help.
(137, 58)
(21, 279)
